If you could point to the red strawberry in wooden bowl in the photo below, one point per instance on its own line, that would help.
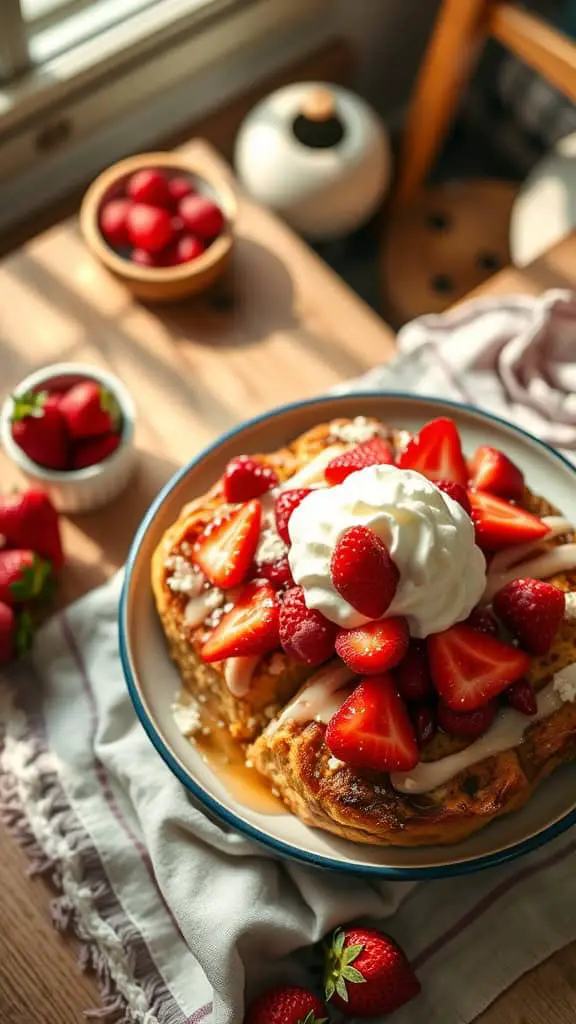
(162, 225)
(69, 429)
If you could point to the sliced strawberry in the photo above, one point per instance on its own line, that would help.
(284, 506)
(250, 628)
(375, 452)
(246, 478)
(436, 452)
(423, 719)
(225, 550)
(375, 647)
(500, 525)
(457, 492)
(363, 572)
(412, 676)
(372, 728)
(492, 471)
(469, 668)
(532, 610)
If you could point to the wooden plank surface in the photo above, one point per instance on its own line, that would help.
(282, 328)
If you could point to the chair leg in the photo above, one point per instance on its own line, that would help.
(446, 66)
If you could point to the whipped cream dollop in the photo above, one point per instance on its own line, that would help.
(428, 534)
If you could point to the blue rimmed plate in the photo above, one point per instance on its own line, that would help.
(152, 678)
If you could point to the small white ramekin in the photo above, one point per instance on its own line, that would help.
(76, 490)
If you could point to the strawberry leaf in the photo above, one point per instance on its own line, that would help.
(341, 988)
(24, 633)
(311, 1019)
(330, 988)
(338, 941)
(351, 953)
(29, 403)
(33, 580)
(351, 974)
(109, 404)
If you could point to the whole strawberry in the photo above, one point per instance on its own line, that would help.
(89, 410)
(532, 610)
(23, 576)
(286, 1005)
(29, 520)
(93, 450)
(39, 428)
(367, 974)
(15, 633)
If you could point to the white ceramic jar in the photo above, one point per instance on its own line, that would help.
(318, 155)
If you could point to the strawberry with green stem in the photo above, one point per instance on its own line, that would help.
(39, 429)
(367, 974)
(23, 576)
(15, 632)
(89, 410)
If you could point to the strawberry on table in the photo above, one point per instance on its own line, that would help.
(23, 576)
(375, 647)
(93, 450)
(436, 452)
(245, 478)
(178, 187)
(28, 519)
(284, 505)
(89, 410)
(363, 572)
(367, 974)
(39, 428)
(499, 524)
(250, 628)
(305, 634)
(372, 728)
(375, 452)
(287, 1004)
(532, 610)
(226, 549)
(469, 668)
(15, 632)
(492, 471)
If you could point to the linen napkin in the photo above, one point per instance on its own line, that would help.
(182, 918)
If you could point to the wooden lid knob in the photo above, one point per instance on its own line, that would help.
(319, 105)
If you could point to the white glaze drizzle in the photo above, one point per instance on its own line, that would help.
(238, 674)
(506, 732)
(313, 471)
(548, 563)
(320, 698)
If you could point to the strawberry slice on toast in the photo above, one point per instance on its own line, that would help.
(499, 524)
(469, 668)
(375, 452)
(492, 471)
(250, 628)
(436, 452)
(375, 647)
(372, 728)
(225, 550)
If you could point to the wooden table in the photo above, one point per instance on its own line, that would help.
(282, 327)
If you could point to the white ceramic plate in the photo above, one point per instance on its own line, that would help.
(152, 679)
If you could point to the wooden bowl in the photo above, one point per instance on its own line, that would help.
(160, 284)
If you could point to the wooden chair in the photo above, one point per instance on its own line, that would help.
(461, 28)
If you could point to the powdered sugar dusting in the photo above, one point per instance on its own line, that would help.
(184, 578)
(357, 431)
